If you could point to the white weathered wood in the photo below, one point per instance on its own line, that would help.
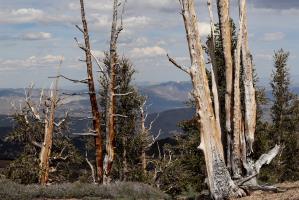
(237, 115)
(220, 182)
(226, 32)
(250, 100)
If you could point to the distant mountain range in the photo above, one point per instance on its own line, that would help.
(168, 99)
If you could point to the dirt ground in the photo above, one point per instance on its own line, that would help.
(291, 193)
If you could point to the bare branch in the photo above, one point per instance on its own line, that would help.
(266, 158)
(91, 168)
(61, 121)
(183, 68)
(154, 139)
(37, 144)
(81, 46)
(85, 81)
(84, 134)
(119, 115)
(125, 94)
(152, 122)
(99, 65)
(79, 28)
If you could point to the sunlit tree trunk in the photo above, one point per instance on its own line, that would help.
(111, 101)
(49, 126)
(226, 35)
(250, 100)
(220, 182)
(96, 117)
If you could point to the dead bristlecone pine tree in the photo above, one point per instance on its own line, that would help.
(230, 170)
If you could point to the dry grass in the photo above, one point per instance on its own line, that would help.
(10, 191)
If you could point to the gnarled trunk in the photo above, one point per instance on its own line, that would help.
(219, 179)
(220, 182)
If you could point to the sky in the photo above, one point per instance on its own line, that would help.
(35, 35)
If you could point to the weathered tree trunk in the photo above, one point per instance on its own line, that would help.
(143, 132)
(226, 35)
(110, 121)
(219, 179)
(96, 117)
(211, 43)
(237, 117)
(250, 100)
(46, 148)
(47, 145)
(220, 182)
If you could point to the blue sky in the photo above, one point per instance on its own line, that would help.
(35, 35)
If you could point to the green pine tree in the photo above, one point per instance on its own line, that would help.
(285, 119)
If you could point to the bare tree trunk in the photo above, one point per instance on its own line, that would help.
(111, 101)
(46, 149)
(143, 131)
(96, 117)
(250, 101)
(226, 35)
(237, 118)
(219, 179)
(220, 182)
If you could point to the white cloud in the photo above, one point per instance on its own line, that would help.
(32, 15)
(136, 21)
(204, 28)
(148, 52)
(273, 36)
(36, 36)
(23, 15)
(99, 21)
(140, 41)
(98, 54)
(32, 62)
(264, 56)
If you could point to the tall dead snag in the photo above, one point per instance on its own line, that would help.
(237, 115)
(47, 118)
(250, 100)
(221, 184)
(147, 139)
(226, 35)
(96, 117)
(111, 101)
(48, 136)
